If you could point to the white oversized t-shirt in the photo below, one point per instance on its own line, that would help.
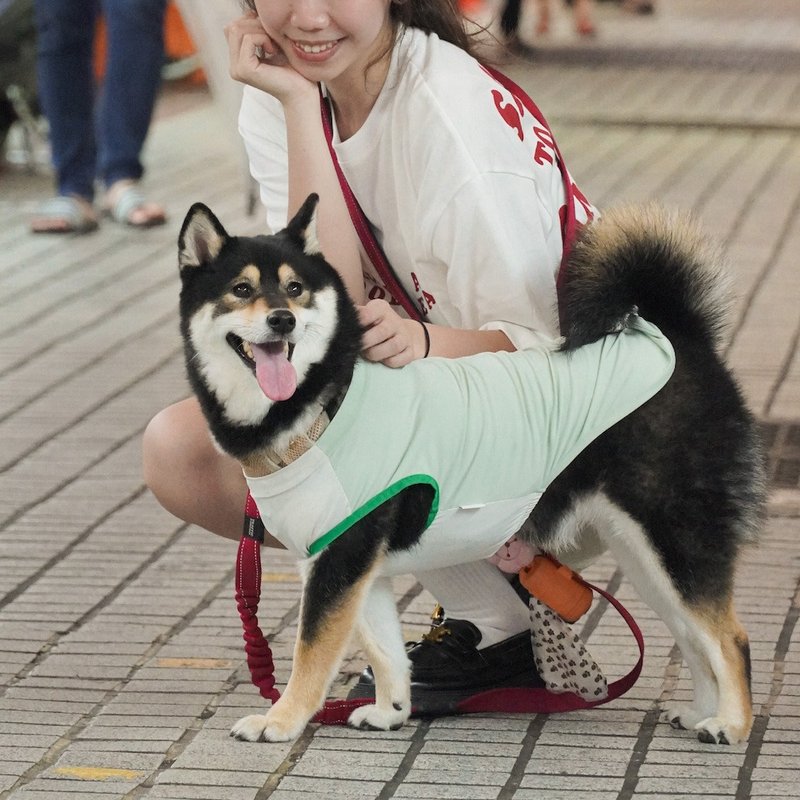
(458, 181)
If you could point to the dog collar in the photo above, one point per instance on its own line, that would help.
(276, 460)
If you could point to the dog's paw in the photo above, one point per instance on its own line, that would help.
(373, 718)
(266, 728)
(714, 730)
(250, 728)
(683, 717)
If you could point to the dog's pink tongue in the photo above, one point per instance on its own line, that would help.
(274, 373)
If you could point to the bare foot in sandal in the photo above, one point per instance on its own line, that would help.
(127, 205)
(65, 214)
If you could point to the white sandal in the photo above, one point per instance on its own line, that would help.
(64, 214)
(125, 202)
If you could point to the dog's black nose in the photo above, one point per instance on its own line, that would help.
(281, 321)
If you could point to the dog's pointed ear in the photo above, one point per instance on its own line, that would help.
(303, 226)
(201, 238)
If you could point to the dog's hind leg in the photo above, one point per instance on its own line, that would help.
(720, 643)
(705, 692)
(713, 643)
(382, 639)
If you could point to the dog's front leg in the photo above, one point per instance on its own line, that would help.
(382, 639)
(336, 585)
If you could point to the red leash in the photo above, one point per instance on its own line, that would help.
(538, 700)
(337, 712)
(248, 593)
(257, 650)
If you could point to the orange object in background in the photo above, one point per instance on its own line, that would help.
(178, 43)
(470, 6)
(557, 586)
(100, 47)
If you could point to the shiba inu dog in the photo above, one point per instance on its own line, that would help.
(581, 443)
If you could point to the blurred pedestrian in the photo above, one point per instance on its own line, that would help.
(97, 133)
(582, 11)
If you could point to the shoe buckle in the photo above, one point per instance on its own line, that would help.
(436, 633)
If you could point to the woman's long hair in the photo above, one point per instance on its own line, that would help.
(442, 17)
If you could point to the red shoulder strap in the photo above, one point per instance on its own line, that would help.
(569, 223)
(363, 229)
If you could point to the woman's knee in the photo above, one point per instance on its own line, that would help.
(156, 446)
(188, 475)
(173, 445)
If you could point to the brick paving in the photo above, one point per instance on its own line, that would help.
(120, 653)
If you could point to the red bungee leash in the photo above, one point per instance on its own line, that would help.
(248, 593)
(257, 650)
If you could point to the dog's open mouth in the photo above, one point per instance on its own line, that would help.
(270, 363)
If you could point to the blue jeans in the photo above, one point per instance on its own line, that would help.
(98, 132)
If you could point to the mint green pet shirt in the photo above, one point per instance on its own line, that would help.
(487, 432)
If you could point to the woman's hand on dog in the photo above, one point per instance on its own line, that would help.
(257, 61)
(389, 338)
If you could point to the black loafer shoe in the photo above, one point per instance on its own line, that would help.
(447, 667)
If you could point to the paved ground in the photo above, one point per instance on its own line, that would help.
(120, 659)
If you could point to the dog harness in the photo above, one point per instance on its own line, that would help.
(488, 433)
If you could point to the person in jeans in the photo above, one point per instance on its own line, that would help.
(97, 133)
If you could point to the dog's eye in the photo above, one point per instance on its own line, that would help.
(242, 290)
(294, 288)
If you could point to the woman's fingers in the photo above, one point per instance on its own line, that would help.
(256, 60)
(387, 336)
(250, 47)
(393, 352)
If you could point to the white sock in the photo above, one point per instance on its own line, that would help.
(480, 593)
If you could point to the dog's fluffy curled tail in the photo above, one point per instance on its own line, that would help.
(643, 260)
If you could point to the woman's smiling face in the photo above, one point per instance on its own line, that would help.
(324, 40)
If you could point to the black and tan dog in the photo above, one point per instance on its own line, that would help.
(669, 481)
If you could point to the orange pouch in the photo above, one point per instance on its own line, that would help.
(557, 586)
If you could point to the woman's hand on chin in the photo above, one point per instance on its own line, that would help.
(257, 61)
